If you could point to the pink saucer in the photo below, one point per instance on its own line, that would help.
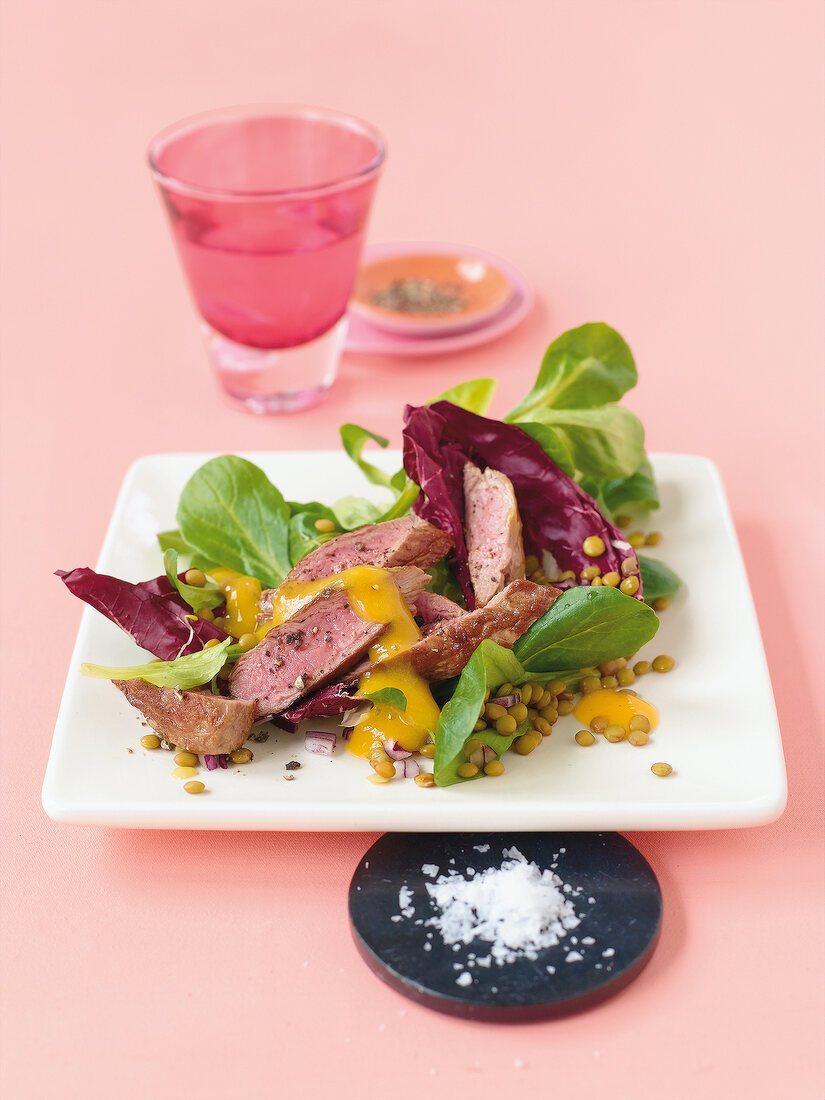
(368, 339)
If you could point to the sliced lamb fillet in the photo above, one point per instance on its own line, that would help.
(317, 645)
(507, 616)
(409, 579)
(408, 540)
(492, 531)
(431, 610)
(198, 721)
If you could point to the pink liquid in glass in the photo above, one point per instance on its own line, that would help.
(268, 212)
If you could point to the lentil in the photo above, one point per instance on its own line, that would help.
(639, 722)
(654, 538)
(590, 683)
(625, 677)
(325, 526)
(425, 779)
(519, 712)
(494, 711)
(495, 767)
(567, 575)
(212, 643)
(663, 663)
(615, 733)
(600, 723)
(531, 564)
(661, 769)
(542, 726)
(585, 738)
(526, 743)
(566, 706)
(206, 614)
(636, 539)
(428, 750)
(629, 567)
(661, 603)
(609, 682)
(526, 693)
(467, 770)
(375, 777)
(622, 520)
(638, 737)
(589, 572)
(194, 786)
(240, 756)
(593, 546)
(150, 741)
(186, 759)
(641, 667)
(630, 585)
(195, 577)
(247, 642)
(506, 725)
(611, 579)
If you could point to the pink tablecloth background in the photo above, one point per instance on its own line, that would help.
(657, 165)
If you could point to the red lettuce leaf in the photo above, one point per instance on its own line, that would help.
(151, 612)
(557, 514)
(323, 703)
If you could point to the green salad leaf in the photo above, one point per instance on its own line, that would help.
(183, 673)
(602, 442)
(173, 540)
(657, 578)
(210, 595)
(354, 439)
(388, 697)
(585, 627)
(231, 514)
(475, 395)
(638, 491)
(303, 534)
(489, 666)
(583, 368)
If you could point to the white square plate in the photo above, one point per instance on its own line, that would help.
(718, 726)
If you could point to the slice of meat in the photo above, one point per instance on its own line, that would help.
(317, 645)
(431, 610)
(198, 721)
(409, 579)
(507, 616)
(408, 540)
(492, 531)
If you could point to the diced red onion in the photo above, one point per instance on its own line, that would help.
(396, 751)
(505, 700)
(482, 756)
(210, 761)
(346, 733)
(223, 760)
(406, 769)
(321, 742)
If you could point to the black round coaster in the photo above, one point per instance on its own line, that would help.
(611, 886)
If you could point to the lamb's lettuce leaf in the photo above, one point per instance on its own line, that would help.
(231, 514)
(183, 673)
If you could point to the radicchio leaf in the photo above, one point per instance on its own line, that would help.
(151, 612)
(557, 514)
(323, 703)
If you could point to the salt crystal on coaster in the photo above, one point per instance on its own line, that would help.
(505, 926)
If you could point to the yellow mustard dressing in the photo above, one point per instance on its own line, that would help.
(374, 597)
(242, 596)
(617, 706)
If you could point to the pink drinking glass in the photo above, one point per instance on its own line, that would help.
(268, 207)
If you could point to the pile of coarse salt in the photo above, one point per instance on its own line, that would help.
(517, 908)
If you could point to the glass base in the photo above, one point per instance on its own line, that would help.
(280, 380)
